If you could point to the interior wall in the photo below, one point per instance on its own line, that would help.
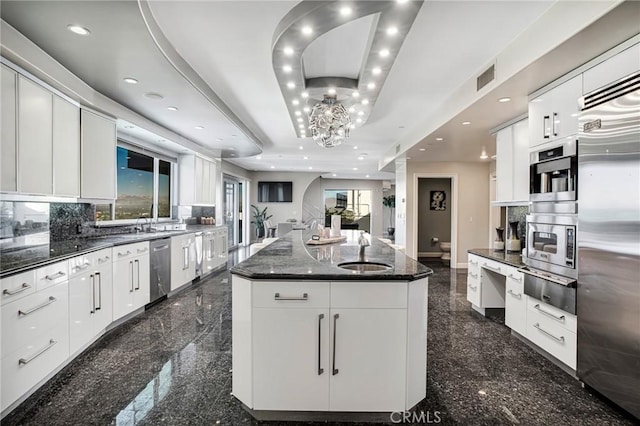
(402, 206)
(237, 171)
(282, 211)
(433, 223)
(472, 203)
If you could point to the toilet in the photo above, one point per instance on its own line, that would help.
(445, 247)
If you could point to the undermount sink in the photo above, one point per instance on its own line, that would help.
(365, 266)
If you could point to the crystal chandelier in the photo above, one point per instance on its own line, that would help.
(329, 122)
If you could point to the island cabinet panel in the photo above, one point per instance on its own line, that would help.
(291, 294)
(291, 360)
(368, 368)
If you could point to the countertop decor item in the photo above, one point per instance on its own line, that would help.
(498, 244)
(259, 216)
(513, 243)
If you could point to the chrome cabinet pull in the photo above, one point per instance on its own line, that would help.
(553, 124)
(161, 248)
(103, 260)
(320, 369)
(472, 275)
(185, 257)
(335, 332)
(25, 361)
(473, 263)
(93, 294)
(559, 318)
(99, 291)
(131, 264)
(32, 310)
(143, 250)
(474, 288)
(82, 267)
(305, 296)
(20, 289)
(137, 262)
(559, 339)
(545, 126)
(485, 265)
(518, 295)
(124, 254)
(55, 276)
(517, 279)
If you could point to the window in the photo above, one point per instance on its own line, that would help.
(144, 187)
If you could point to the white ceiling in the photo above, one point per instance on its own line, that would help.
(229, 45)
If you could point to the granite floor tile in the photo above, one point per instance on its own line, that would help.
(171, 365)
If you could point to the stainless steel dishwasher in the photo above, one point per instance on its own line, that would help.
(160, 269)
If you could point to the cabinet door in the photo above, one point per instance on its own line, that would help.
(473, 287)
(213, 181)
(520, 164)
(98, 169)
(142, 279)
(8, 141)
(504, 164)
(35, 132)
(81, 310)
(180, 261)
(515, 316)
(291, 359)
(368, 370)
(565, 108)
(66, 148)
(210, 257)
(123, 288)
(103, 298)
(199, 174)
(221, 248)
(206, 184)
(540, 119)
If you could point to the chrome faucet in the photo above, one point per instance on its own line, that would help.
(362, 242)
(138, 228)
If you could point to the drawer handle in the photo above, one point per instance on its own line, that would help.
(556, 317)
(55, 276)
(472, 275)
(32, 310)
(320, 369)
(124, 254)
(166, 246)
(103, 260)
(484, 265)
(142, 250)
(473, 263)
(25, 361)
(83, 266)
(474, 288)
(305, 296)
(20, 289)
(335, 333)
(518, 295)
(517, 279)
(559, 339)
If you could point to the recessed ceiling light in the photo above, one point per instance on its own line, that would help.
(273, 167)
(153, 96)
(259, 157)
(334, 175)
(371, 86)
(301, 126)
(359, 120)
(439, 139)
(305, 158)
(353, 126)
(307, 30)
(304, 94)
(422, 149)
(360, 113)
(402, 1)
(503, 100)
(300, 147)
(355, 94)
(77, 29)
(310, 168)
(355, 147)
(306, 109)
(392, 31)
(300, 120)
(129, 126)
(466, 123)
(291, 85)
(376, 71)
(130, 80)
(366, 175)
(361, 158)
(172, 108)
(295, 102)
(345, 11)
(331, 91)
(384, 53)
(352, 109)
(298, 113)
(365, 101)
(288, 51)
(287, 68)
(199, 127)
(355, 169)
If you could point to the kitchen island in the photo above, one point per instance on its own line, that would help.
(314, 341)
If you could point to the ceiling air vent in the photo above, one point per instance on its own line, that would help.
(486, 77)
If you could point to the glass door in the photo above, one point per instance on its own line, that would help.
(233, 196)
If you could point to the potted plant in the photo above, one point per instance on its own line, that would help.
(259, 216)
(390, 202)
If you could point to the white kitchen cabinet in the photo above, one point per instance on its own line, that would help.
(17, 286)
(512, 163)
(8, 135)
(209, 251)
(35, 133)
(183, 260)
(222, 248)
(103, 272)
(131, 279)
(554, 114)
(553, 330)
(66, 148)
(515, 312)
(614, 68)
(473, 284)
(197, 180)
(98, 156)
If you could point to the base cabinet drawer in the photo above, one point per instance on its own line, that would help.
(557, 316)
(27, 365)
(18, 286)
(278, 294)
(473, 287)
(553, 338)
(515, 313)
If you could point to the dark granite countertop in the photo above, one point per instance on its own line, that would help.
(290, 258)
(512, 259)
(16, 261)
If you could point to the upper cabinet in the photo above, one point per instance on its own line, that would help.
(98, 156)
(40, 139)
(554, 114)
(614, 68)
(197, 177)
(512, 163)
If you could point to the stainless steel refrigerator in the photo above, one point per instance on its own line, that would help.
(608, 300)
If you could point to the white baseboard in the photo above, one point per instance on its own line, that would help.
(462, 265)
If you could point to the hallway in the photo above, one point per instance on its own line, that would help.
(172, 365)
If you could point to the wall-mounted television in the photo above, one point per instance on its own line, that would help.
(275, 192)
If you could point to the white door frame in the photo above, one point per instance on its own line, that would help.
(454, 212)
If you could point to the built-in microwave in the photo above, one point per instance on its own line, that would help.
(554, 173)
(551, 243)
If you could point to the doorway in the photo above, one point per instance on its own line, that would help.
(353, 205)
(435, 219)
(234, 194)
